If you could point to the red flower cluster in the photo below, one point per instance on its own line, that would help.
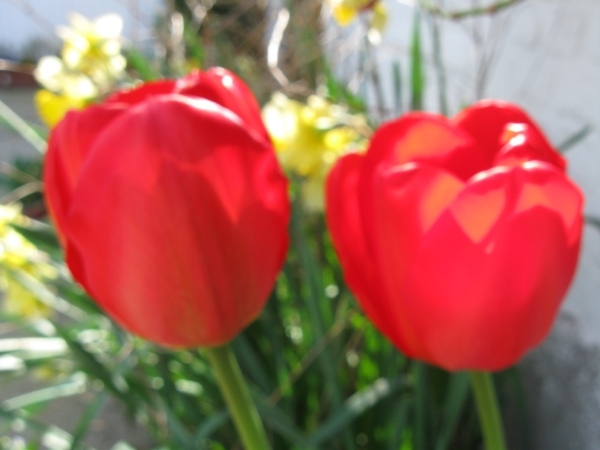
(172, 207)
(459, 237)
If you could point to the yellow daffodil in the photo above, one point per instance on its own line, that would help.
(19, 257)
(89, 66)
(310, 137)
(346, 11)
(53, 107)
(93, 48)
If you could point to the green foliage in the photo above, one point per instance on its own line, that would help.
(417, 71)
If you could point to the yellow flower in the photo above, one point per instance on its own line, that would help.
(19, 256)
(53, 107)
(94, 48)
(89, 66)
(19, 302)
(310, 138)
(346, 11)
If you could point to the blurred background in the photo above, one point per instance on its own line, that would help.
(541, 54)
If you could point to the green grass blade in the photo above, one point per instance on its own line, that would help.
(454, 405)
(354, 407)
(210, 425)
(23, 128)
(74, 386)
(41, 235)
(520, 396)
(422, 401)
(575, 138)
(179, 433)
(88, 416)
(92, 367)
(44, 295)
(316, 295)
(397, 80)
(279, 422)
(250, 362)
(417, 71)
(401, 421)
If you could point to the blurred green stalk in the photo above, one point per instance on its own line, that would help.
(237, 396)
(489, 411)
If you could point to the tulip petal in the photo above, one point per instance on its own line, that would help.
(226, 89)
(426, 138)
(465, 294)
(68, 147)
(523, 144)
(407, 202)
(345, 222)
(486, 121)
(184, 222)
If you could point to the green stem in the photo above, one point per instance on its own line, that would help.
(489, 411)
(237, 396)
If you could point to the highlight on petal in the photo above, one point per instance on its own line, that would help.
(486, 121)
(523, 143)
(481, 204)
(228, 90)
(428, 138)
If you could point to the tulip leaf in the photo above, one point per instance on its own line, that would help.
(314, 298)
(417, 71)
(73, 294)
(279, 422)
(12, 415)
(354, 407)
(422, 404)
(44, 295)
(454, 404)
(91, 366)
(181, 436)
(90, 413)
(401, 421)
(251, 364)
(210, 425)
(41, 235)
(73, 386)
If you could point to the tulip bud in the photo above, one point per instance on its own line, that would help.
(458, 237)
(171, 207)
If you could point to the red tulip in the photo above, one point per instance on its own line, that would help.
(171, 207)
(459, 237)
